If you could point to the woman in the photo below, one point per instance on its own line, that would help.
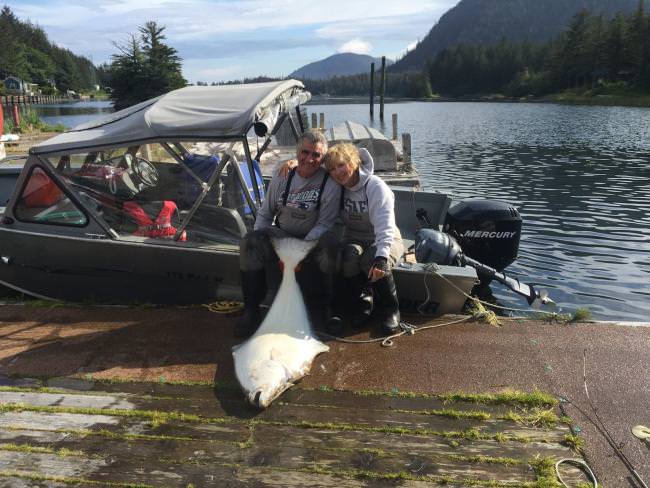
(371, 243)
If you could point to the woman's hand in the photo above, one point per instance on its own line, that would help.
(379, 269)
(286, 167)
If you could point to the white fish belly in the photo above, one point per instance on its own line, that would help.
(284, 346)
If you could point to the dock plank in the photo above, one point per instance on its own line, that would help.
(174, 435)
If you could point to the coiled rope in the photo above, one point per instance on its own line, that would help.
(224, 307)
(579, 463)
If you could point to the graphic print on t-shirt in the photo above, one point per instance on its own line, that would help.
(303, 198)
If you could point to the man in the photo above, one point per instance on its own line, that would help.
(303, 204)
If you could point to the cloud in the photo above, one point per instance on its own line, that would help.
(269, 34)
(357, 46)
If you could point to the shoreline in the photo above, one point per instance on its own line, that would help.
(558, 99)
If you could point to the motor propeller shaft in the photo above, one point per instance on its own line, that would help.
(432, 246)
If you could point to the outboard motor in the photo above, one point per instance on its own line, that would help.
(483, 234)
(487, 231)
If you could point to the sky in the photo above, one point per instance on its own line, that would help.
(221, 40)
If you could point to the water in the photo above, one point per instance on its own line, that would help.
(580, 177)
(71, 114)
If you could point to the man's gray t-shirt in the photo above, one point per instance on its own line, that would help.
(302, 200)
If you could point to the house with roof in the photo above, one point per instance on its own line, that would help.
(16, 86)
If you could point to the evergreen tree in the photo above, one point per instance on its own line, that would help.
(126, 74)
(145, 68)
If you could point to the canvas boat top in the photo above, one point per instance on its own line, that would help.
(205, 112)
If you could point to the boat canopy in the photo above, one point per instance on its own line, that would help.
(194, 112)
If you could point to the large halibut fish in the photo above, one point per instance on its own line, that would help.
(284, 346)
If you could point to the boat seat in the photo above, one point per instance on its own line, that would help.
(212, 217)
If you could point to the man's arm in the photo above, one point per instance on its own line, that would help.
(267, 211)
(329, 210)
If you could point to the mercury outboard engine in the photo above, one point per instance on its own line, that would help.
(483, 234)
(487, 231)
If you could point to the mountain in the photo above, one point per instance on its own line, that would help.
(489, 21)
(337, 65)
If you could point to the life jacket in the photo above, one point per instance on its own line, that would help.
(161, 228)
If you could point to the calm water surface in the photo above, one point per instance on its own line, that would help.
(580, 177)
(72, 113)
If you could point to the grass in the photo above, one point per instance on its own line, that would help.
(26, 448)
(534, 399)
(545, 472)
(29, 123)
(574, 442)
(582, 314)
(536, 417)
(68, 480)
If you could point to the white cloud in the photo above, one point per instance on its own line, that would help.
(357, 46)
(269, 34)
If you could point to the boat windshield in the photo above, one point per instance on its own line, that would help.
(187, 192)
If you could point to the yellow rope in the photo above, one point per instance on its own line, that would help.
(224, 307)
(482, 314)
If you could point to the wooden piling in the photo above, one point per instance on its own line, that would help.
(382, 89)
(372, 90)
(321, 124)
(394, 127)
(314, 121)
(16, 115)
(406, 147)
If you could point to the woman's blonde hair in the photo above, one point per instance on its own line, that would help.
(342, 153)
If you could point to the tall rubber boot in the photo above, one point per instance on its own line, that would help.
(334, 298)
(389, 306)
(363, 302)
(253, 285)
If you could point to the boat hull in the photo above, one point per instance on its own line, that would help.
(123, 272)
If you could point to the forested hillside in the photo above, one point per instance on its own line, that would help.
(594, 53)
(26, 52)
(489, 21)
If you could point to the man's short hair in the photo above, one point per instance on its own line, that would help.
(313, 137)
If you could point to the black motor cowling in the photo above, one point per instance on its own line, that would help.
(486, 230)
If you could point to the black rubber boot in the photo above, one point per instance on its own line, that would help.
(389, 306)
(363, 302)
(334, 295)
(253, 284)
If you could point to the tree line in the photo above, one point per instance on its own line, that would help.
(26, 53)
(593, 52)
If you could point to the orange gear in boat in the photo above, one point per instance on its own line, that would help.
(161, 228)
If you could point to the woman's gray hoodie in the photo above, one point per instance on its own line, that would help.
(368, 209)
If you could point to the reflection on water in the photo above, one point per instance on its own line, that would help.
(580, 177)
(71, 114)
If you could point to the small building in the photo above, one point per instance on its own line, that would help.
(15, 86)
(32, 89)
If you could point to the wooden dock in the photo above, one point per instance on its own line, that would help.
(65, 431)
(139, 396)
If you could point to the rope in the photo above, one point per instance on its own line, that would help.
(433, 269)
(224, 307)
(577, 462)
(608, 436)
(387, 341)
